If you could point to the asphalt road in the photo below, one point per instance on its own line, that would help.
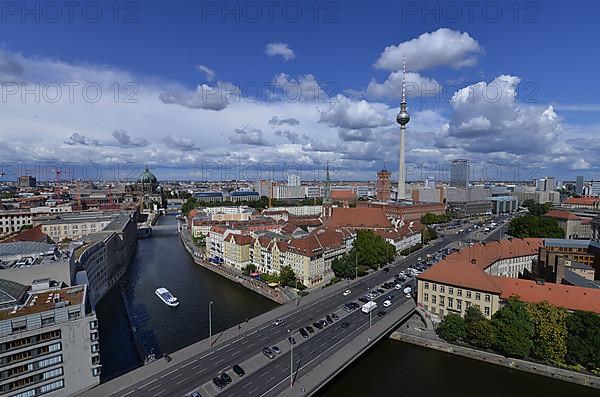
(198, 370)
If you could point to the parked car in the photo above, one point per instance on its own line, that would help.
(310, 329)
(195, 394)
(275, 349)
(239, 370)
(303, 333)
(329, 319)
(318, 325)
(364, 299)
(381, 313)
(292, 340)
(218, 382)
(225, 378)
(324, 323)
(345, 324)
(387, 303)
(268, 352)
(334, 317)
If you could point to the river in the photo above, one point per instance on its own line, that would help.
(390, 369)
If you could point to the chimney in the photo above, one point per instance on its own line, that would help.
(473, 261)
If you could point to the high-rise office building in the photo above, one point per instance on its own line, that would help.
(459, 173)
(294, 180)
(546, 184)
(27, 181)
(579, 184)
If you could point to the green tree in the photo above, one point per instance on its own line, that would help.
(535, 226)
(513, 329)
(452, 328)
(550, 332)
(249, 269)
(535, 208)
(373, 251)
(583, 343)
(287, 276)
(428, 234)
(431, 219)
(479, 330)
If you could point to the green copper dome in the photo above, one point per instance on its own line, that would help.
(147, 177)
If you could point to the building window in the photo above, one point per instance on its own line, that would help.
(487, 297)
(433, 299)
(469, 294)
(442, 289)
(487, 310)
(434, 287)
(450, 302)
(459, 292)
(426, 285)
(95, 348)
(459, 304)
(477, 296)
(441, 301)
(96, 371)
(450, 290)
(52, 386)
(426, 297)
(468, 304)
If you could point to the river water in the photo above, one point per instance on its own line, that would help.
(390, 369)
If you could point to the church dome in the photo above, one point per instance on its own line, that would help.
(147, 177)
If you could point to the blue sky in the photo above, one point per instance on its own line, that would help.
(342, 56)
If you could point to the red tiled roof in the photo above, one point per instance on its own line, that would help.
(561, 214)
(343, 195)
(240, 239)
(360, 217)
(466, 268)
(567, 296)
(585, 200)
(34, 234)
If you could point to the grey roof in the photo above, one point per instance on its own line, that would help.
(579, 265)
(11, 291)
(25, 248)
(575, 279)
(566, 243)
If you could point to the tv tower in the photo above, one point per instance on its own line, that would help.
(402, 118)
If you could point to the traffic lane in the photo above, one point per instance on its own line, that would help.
(311, 352)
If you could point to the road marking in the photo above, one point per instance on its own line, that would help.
(252, 333)
(154, 387)
(146, 384)
(185, 365)
(181, 381)
(222, 347)
(156, 394)
(199, 372)
(128, 393)
(169, 373)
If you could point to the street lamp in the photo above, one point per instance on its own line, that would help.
(291, 359)
(210, 303)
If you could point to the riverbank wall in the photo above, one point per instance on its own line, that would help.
(274, 294)
(141, 352)
(492, 358)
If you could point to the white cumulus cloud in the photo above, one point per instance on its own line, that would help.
(280, 49)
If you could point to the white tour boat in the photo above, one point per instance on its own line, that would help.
(166, 297)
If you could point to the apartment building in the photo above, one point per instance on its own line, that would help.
(49, 343)
(74, 225)
(485, 275)
(12, 220)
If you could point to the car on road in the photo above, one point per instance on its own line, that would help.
(218, 382)
(268, 352)
(408, 296)
(317, 325)
(303, 333)
(226, 378)
(195, 394)
(347, 292)
(329, 319)
(279, 321)
(386, 269)
(310, 329)
(398, 286)
(381, 291)
(345, 324)
(387, 303)
(275, 349)
(364, 299)
(238, 370)
(292, 340)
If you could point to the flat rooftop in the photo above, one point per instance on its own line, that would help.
(38, 302)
